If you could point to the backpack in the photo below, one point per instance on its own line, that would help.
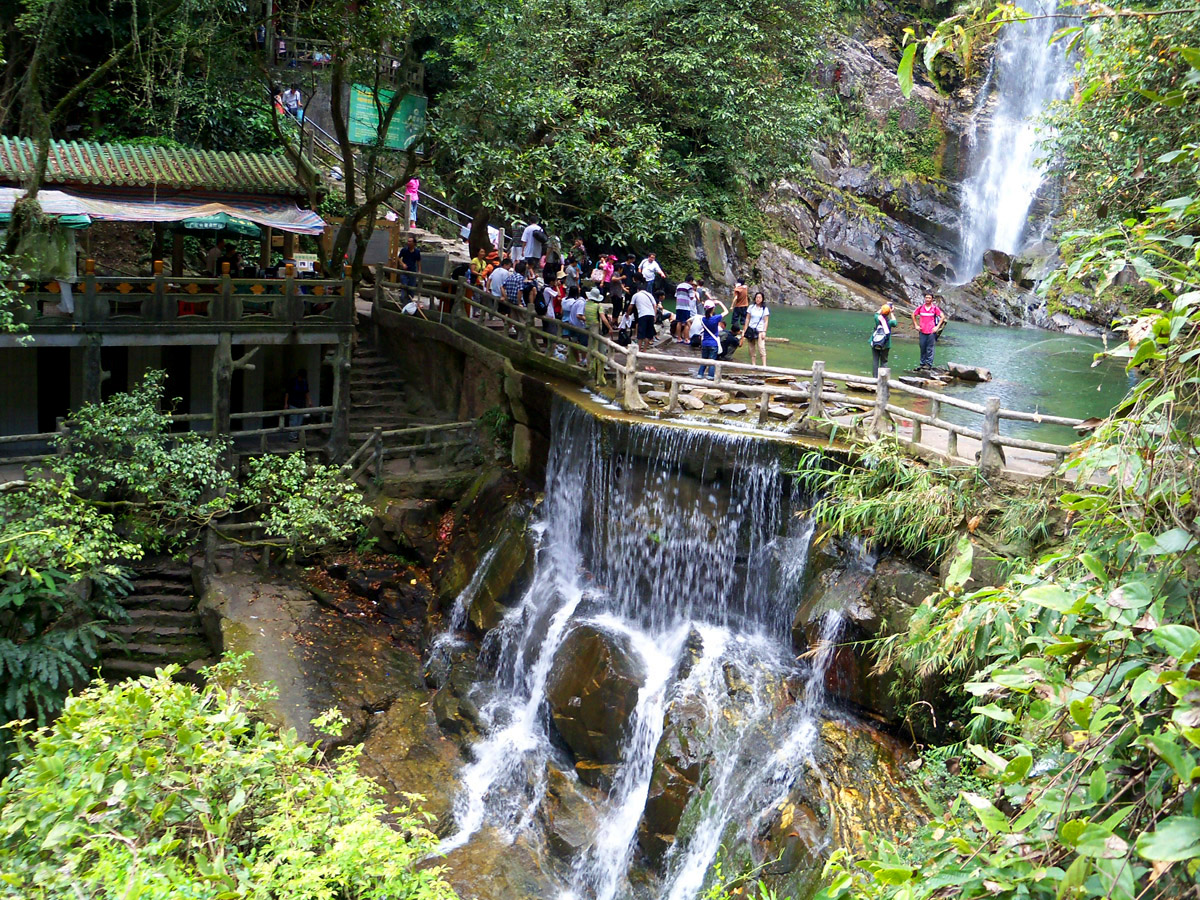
(879, 337)
(539, 303)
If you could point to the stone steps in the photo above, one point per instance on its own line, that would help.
(163, 625)
(178, 602)
(182, 651)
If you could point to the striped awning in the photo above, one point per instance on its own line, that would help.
(123, 205)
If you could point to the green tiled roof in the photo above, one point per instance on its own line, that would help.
(126, 165)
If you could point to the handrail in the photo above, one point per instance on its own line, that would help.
(329, 144)
(372, 452)
(810, 385)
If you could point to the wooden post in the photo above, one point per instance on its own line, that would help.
(880, 419)
(632, 398)
(289, 295)
(991, 454)
(160, 293)
(339, 434)
(226, 311)
(349, 306)
(377, 455)
(816, 406)
(763, 405)
(673, 397)
(90, 309)
(222, 384)
(460, 292)
(952, 444)
(264, 248)
(93, 374)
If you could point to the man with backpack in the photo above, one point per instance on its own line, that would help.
(533, 244)
(881, 338)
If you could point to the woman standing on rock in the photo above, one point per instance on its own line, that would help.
(756, 328)
(881, 338)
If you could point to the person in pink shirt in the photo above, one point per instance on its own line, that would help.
(412, 191)
(927, 319)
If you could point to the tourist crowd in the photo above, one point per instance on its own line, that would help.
(625, 300)
(631, 301)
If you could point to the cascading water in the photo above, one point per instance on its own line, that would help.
(683, 547)
(1028, 74)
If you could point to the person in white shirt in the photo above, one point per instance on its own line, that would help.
(695, 330)
(645, 308)
(649, 270)
(684, 308)
(757, 320)
(498, 277)
(533, 242)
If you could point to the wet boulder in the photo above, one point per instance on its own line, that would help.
(997, 263)
(569, 815)
(505, 574)
(679, 761)
(852, 603)
(592, 691)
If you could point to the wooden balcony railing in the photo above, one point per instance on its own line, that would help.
(115, 303)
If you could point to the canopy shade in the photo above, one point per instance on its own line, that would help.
(126, 205)
(221, 224)
(67, 210)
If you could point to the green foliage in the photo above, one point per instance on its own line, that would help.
(610, 121)
(1080, 672)
(499, 425)
(158, 790)
(123, 484)
(305, 505)
(890, 150)
(887, 499)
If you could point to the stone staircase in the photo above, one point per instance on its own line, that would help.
(378, 398)
(164, 626)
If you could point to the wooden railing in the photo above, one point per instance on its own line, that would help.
(445, 298)
(418, 440)
(163, 300)
(239, 438)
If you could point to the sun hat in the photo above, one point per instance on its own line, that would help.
(709, 304)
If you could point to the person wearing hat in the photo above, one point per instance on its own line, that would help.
(881, 338)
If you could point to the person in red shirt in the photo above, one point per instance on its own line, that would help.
(927, 319)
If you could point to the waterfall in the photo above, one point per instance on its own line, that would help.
(684, 546)
(1028, 74)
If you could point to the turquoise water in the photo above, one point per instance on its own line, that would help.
(1032, 370)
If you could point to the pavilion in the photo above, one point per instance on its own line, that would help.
(90, 334)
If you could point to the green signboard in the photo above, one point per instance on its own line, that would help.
(406, 124)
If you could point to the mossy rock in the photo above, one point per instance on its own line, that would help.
(592, 690)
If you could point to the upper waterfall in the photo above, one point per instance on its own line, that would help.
(1028, 74)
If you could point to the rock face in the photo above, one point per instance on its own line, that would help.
(678, 763)
(592, 692)
(871, 601)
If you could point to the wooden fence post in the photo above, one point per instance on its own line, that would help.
(673, 397)
(952, 444)
(339, 432)
(880, 419)
(991, 454)
(378, 453)
(816, 406)
(632, 397)
(764, 404)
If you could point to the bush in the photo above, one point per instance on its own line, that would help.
(157, 790)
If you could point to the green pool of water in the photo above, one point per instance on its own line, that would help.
(1032, 370)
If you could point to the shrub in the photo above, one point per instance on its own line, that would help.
(160, 791)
